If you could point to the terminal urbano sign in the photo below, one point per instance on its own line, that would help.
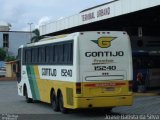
(95, 14)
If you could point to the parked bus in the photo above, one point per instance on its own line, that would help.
(147, 63)
(79, 70)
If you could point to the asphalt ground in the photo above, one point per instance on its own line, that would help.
(14, 107)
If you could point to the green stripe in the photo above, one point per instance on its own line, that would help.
(33, 82)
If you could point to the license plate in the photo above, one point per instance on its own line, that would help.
(110, 89)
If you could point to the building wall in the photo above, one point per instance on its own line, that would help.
(4, 28)
(15, 40)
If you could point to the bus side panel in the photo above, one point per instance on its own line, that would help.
(44, 82)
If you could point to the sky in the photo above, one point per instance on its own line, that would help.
(19, 13)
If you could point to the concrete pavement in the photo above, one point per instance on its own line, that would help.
(11, 103)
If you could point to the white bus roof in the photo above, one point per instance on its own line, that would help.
(67, 37)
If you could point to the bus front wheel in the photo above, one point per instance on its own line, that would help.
(54, 102)
(28, 100)
(61, 104)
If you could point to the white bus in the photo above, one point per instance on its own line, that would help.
(79, 70)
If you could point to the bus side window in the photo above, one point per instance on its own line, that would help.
(68, 53)
(34, 55)
(71, 53)
(55, 54)
(65, 53)
(24, 56)
(60, 54)
(41, 52)
(43, 55)
(52, 54)
(47, 53)
(28, 57)
(39, 55)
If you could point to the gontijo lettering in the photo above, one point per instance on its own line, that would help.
(104, 54)
(49, 72)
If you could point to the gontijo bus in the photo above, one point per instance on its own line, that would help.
(79, 70)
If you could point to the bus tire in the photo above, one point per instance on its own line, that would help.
(28, 100)
(61, 104)
(54, 103)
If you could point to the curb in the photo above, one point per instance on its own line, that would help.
(7, 79)
(147, 94)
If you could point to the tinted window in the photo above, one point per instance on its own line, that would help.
(56, 54)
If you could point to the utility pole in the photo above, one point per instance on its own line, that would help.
(30, 27)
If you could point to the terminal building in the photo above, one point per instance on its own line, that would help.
(141, 20)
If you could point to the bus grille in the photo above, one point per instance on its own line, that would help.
(69, 93)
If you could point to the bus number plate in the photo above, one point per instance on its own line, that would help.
(110, 89)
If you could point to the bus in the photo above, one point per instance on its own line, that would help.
(78, 71)
(147, 63)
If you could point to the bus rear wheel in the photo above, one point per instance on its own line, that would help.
(61, 104)
(54, 102)
(28, 100)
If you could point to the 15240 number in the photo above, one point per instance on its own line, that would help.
(66, 72)
(104, 68)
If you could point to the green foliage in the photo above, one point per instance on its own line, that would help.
(9, 58)
(5, 57)
(37, 36)
(2, 54)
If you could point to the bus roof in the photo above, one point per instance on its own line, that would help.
(60, 38)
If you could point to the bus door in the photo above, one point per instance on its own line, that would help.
(17, 70)
(18, 65)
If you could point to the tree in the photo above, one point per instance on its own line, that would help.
(9, 58)
(36, 36)
(2, 54)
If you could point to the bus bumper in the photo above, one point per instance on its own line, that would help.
(103, 102)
